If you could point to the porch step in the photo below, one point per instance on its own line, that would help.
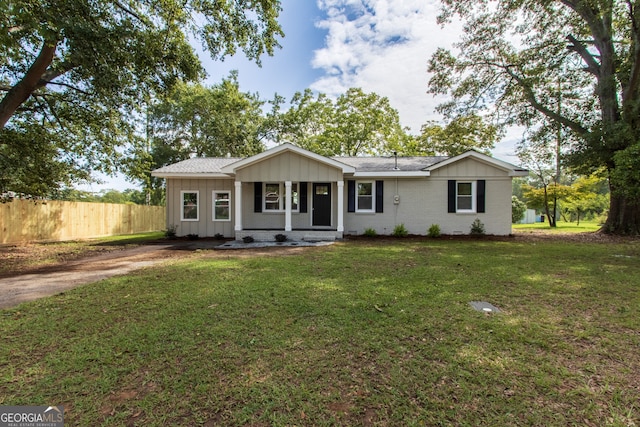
(319, 238)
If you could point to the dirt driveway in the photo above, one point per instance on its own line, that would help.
(28, 286)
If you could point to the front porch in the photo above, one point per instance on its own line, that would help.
(309, 235)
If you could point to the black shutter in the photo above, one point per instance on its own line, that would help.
(481, 189)
(379, 196)
(303, 197)
(452, 196)
(257, 197)
(351, 196)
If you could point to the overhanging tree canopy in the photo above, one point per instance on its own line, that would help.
(568, 63)
(79, 70)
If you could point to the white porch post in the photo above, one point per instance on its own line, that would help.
(340, 228)
(238, 226)
(287, 206)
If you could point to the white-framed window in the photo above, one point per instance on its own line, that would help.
(274, 197)
(222, 206)
(190, 206)
(365, 196)
(465, 196)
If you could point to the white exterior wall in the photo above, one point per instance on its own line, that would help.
(423, 201)
(205, 226)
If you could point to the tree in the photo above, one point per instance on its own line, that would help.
(589, 196)
(194, 120)
(357, 123)
(568, 64)
(74, 73)
(518, 209)
(461, 134)
(547, 199)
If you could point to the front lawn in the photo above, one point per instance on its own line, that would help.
(359, 333)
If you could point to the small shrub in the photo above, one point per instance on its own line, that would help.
(171, 231)
(477, 228)
(247, 239)
(434, 231)
(218, 236)
(193, 236)
(281, 238)
(370, 232)
(400, 231)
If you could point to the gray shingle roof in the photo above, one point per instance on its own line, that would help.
(198, 165)
(213, 165)
(384, 164)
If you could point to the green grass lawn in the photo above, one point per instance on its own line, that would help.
(359, 333)
(561, 227)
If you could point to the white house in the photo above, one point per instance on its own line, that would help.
(292, 191)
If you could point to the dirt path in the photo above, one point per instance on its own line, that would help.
(28, 286)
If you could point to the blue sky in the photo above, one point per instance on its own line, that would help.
(381, 46)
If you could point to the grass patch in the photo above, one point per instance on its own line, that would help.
(359, 333)
(16, 258)
(561, 227)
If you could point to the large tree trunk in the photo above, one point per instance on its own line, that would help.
(22, 90)
(624, 216)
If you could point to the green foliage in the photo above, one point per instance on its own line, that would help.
(400, 231)
(357, 123)
(171, 231)
(565, 71)
(461, 134)
(280, 237)
(75, 75)
(370, 232)
(518, 209)
(434, 231)
(216, 121)
(477, 228)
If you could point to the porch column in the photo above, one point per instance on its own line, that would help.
(238, 226)
(287, 206)
(340, 228)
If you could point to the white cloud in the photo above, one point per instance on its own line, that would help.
(383, 46)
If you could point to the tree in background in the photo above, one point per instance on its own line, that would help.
(518, 209)
(572, 65)
(194, 120)
(461, 134)
(74, 74)
(356, 123)
(589, 197)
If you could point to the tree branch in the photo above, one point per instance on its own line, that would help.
(533, 101)
(578, 47)
(22, 90)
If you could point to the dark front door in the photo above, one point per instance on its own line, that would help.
(321, 204)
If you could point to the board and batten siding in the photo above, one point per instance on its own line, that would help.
(289, 167)
(205, 226)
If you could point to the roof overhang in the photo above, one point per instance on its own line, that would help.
(392, 174)
(511, 169)
(233, 167)
(191, 175)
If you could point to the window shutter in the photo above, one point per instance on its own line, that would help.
(452, 196)
(257, 197)
(481, 191)
(303, 197)
(351, 196)
(379, 196)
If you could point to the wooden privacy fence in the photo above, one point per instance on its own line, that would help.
(26, 221)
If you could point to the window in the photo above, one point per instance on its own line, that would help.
(465, 200)
(365, 199)
(274, 197)
(189, 206)
(221, 206)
